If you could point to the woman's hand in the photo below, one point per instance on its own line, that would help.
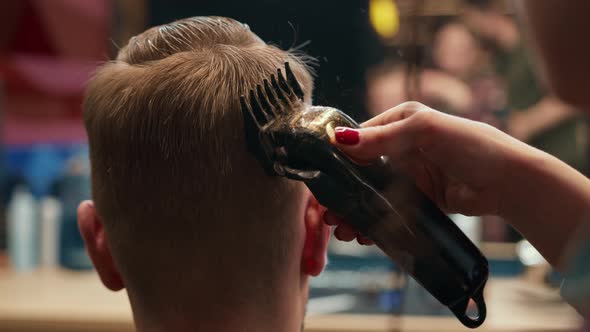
(462, 165)
(472, 168)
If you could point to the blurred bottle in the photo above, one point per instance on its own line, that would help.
(3, 235)
(40, 170)
(3, 183)
(471, 226)
(22, 229)
(72, 188)
(50, 215)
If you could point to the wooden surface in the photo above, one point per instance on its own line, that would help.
(52, 301)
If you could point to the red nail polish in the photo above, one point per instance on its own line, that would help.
(346, 136)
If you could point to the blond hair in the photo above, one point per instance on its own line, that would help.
(180, 197)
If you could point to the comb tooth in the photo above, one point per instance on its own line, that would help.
(271, 96)
(283, 84)
(257, 110)
(292, 81)
(246, 109)
(283, 99)
(266, 106)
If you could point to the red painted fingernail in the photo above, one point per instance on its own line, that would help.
(346, 136)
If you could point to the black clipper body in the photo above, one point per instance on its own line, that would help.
(293, 140)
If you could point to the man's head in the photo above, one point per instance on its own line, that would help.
(187, 215)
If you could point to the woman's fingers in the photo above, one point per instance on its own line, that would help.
(345, 232)
(400, 112)
(332, 219)
(394, 139)
(365, 241)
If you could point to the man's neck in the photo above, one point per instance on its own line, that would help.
(233, 322)
(284, 314)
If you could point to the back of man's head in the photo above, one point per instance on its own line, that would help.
(184, 206)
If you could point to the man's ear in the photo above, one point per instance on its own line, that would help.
(317, 235)
(92, 231)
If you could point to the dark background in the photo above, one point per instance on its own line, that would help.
(338, 34)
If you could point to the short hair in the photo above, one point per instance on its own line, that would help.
(180, 197)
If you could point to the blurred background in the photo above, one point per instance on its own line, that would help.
(464, 57)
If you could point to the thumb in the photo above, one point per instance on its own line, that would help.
(369, 143)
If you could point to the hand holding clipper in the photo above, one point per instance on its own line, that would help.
(293, 140)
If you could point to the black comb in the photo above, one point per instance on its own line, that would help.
(271, 99)
(263, 106)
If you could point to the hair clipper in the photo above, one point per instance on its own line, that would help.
(292, 139)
